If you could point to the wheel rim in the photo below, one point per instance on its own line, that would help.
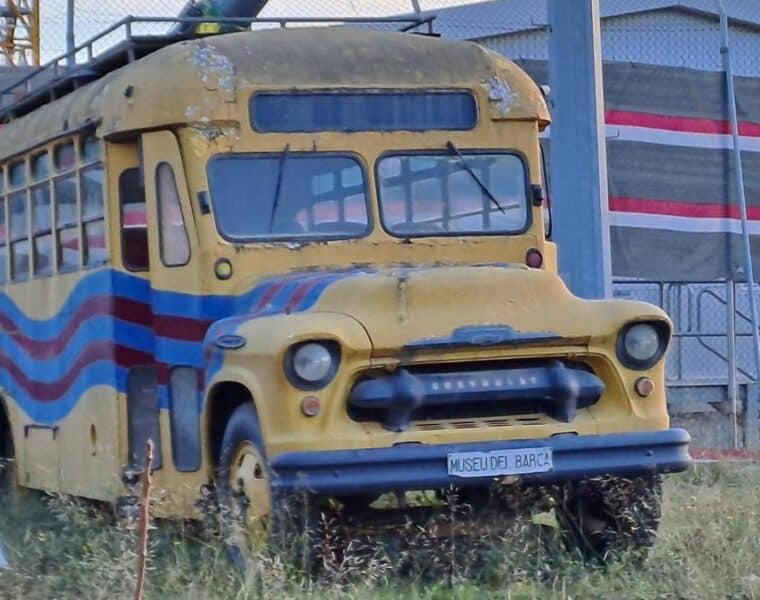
(250, 501)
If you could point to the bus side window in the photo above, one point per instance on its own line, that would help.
(134, 222)
(19, 223)
(93, 218)
(143, 415)
(42, 237)
(172, 234)
(66, 222)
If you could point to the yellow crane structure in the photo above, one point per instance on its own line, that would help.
(19, 32)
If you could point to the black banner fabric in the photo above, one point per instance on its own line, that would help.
(673, 194)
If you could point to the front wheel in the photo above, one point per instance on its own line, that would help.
(610, 517)
(254, 519)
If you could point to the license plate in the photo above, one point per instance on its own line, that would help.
(519, 461)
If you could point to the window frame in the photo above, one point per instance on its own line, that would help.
(160, 220)
(54, 173)
(180, 464)
(11, 192)
(360, 92)
(129, 267)
(465, 152)
(57, 174)
(98, 162)
(35, 234)
(287, 239)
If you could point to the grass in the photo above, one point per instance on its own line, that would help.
(708, 547)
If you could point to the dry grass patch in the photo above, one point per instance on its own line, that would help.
(707, 548)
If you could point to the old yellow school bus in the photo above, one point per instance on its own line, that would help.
(310, 260)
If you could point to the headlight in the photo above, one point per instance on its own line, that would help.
(313, 364)
(641, 345)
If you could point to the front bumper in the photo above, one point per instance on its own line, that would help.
(423, 466)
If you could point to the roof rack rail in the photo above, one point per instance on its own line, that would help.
(62, 75)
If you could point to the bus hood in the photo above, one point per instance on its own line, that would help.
(439, 307)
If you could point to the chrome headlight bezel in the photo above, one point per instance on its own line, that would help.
(332, 349)
(661, 330)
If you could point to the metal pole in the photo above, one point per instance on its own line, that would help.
(70, 39)
(726, 59)
(731, 355)
(578, 147)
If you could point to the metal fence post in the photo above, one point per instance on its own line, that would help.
(578, 147)
(70, 40)
(731, 356)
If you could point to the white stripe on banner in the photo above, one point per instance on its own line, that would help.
(665, 137)
(684, 224)
(3, 562)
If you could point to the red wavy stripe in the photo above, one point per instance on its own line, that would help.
(131, 311)
(181, 328)
(675, 123)
(301, 292)
(53, 390)
(680, 209)
(269, 295)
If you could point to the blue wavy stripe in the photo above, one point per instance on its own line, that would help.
(100, 328)
(101, 372)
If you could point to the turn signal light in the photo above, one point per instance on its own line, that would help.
(223, 269)
(644, 386)
(310, 406)
(533, 258)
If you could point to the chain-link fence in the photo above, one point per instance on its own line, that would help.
(93, 16)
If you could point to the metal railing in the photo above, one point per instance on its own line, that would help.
(61, 65)
(712, 333)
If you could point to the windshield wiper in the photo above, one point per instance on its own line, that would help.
(278, 184)
(454, 150)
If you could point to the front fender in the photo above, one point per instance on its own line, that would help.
(259, 364)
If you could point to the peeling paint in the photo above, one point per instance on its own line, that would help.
(401, 295)
(215, 69)
(500, 93)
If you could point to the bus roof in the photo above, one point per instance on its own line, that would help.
(197, 80)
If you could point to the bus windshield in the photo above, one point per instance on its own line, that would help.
(288, 195)
(452, 194)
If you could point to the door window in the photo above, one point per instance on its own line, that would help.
(134, 223)
(173, 240)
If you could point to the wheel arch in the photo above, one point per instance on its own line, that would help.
(6, 431)
(222, 400)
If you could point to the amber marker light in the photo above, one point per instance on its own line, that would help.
(223, 269)
(310, 406)
(644, 386)
(533, 258)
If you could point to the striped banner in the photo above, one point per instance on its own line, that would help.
(673, 198)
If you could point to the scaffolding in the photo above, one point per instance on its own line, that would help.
(19, 32)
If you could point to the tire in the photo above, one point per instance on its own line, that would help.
(612, 517)
(7, 456)
(253, 518)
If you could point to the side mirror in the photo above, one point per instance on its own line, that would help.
(538, 199)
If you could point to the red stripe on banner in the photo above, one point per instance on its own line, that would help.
(675, 123)
(680, 209)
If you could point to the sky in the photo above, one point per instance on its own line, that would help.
(93, 16)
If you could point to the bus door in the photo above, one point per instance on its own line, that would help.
(176, 292)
